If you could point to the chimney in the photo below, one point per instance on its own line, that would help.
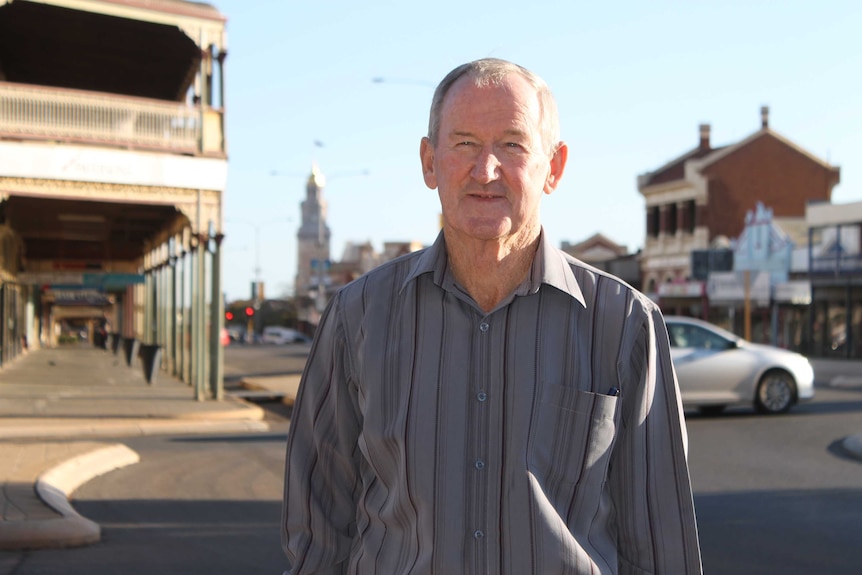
(764, 117)
(704, 136)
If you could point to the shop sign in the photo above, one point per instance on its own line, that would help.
(681, 289)
(50, 278)
(81, 163)
(88, 297)
(92, 280)
(730, 287)
(113, 280)
(795, 292)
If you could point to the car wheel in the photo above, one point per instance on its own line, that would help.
(776, 392)
(711, 409)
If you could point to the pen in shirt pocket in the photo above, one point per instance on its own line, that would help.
(614, 391)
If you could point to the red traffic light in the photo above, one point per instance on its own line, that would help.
(249, 311)
(228, 315)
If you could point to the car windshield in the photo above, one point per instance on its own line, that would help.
(695, 336)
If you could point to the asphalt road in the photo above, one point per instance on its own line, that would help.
(774, 494)
(242, 360)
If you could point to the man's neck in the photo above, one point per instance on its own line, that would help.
(490, 270)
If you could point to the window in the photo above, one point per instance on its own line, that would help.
(653, 221)
(671, 219)
(684, 335)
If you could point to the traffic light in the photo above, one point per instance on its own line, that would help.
(228, 315)
(249, 311)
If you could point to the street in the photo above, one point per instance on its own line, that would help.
(774, 494)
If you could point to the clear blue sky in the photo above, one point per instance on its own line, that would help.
(633, 81)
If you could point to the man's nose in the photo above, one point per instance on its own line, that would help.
(486, 167)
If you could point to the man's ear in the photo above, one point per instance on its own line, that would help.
(426, 154)
(558, 166)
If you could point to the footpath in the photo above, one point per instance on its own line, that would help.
(63, 410)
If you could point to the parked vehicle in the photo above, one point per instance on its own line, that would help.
(716, 369)
(282, 335)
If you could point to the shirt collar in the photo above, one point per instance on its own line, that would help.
(550, 266)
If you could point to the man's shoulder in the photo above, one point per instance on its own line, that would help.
(385, 279)
(589, 275)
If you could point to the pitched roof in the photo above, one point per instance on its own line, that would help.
(675, 169)
(706, 155)
(594, 248)
(727, 150)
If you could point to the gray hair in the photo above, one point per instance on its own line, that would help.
(492, 71)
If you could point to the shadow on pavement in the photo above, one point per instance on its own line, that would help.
(170, 538)
(795, 532)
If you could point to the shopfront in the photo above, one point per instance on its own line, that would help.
(683, 298)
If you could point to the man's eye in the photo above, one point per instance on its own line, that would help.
(513, 145)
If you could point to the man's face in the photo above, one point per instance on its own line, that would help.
(490, 165)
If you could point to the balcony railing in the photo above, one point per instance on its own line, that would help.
(34, 112)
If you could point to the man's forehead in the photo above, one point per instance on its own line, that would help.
(469, 104)
(472, 84)
(466, 92)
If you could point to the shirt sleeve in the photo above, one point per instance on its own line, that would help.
(321, 465)
(649, 478)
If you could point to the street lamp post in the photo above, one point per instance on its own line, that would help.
(258, 279)
(412, 81)
(256, 226)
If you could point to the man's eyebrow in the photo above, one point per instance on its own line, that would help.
(465, 134)
(460, 134)
(515, 132)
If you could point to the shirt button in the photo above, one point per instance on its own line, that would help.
(483, 327)
(481, 396)
(478, 534)
(480, 464)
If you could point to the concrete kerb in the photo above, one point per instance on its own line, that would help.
(284, 386)
(853, 446)
(54, 487)
(105, 428)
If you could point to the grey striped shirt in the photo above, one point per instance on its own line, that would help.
(431, 437)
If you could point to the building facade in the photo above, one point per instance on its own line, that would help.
(600, 251)
(113, 166)
(762, 297)
(699, 201)
(835, 271)
(313, 264)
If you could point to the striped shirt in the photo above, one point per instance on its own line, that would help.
(430, 437)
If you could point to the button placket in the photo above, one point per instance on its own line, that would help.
(480, 478)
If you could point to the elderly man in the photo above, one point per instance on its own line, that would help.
(489, 404)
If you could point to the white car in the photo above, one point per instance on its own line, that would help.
(282, 335)
(716, 369)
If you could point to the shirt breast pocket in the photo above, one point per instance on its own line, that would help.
(574, 435)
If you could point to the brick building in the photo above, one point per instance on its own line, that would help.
(699, 200)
